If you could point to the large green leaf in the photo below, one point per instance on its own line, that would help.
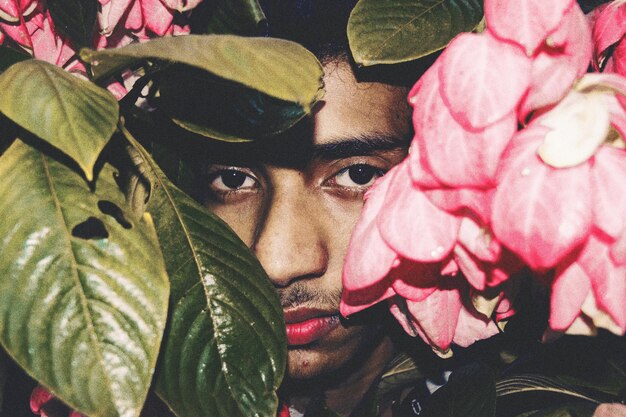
(238, 17)
(73, 115)
(470, 392)
(276, 67)
(240, 114)
(83, 292)
(10, 56)
(520, 384)
(392, 31)
(75, 19)
(225, 349)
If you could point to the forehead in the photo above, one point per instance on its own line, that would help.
(352, 109)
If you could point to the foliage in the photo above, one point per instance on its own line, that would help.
(113, 279)
(386, 32)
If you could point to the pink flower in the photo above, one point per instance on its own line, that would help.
(527, 23)
(409, 251)
(482, 79)
(480, 195)
(558, 63)
(19, 19)
(124, 21)
(40, 398)
(14, 10)
(608, 29)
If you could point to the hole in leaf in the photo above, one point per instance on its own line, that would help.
(92, 228)
(114, 211)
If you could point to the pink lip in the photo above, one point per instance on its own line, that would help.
(306, 325)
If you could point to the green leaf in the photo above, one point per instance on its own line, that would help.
(392, 31)
(402, 372)
(225, 350)
(71, 114)
(237, 17)
(276, 67)
(519, 384)
(470, 392)
(10, 56)
(241, 114)
(75, 19)
(83, 292)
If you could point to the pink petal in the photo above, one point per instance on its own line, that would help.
(181, 5)
(420, 171)
(38, 397)
(478, 240)
(414, 281)
(554, 69)
(482, 79)
(398, 308)
(462, 158)
(475, 153)
(528, 22)
(472, 268)
(360, 299)
(505, 308)
(369, 258)
(506, 265)
(618, 250)
(18, 33)
(411, 224)
(607, 186)
(424, 94)
(134, 20)
(157, 17)
(539, 212)
(13, 10)
(569, 290)
(619, 60)
(609, 26)
(111, 13)
(473, 327)
(438, 315)
(607, 280)
(459, 200)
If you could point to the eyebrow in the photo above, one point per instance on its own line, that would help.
(358, 146)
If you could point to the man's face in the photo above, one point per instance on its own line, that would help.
(297, 216)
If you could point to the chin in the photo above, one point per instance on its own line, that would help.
(330, 356)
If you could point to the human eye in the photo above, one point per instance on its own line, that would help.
(226, 183)
(356, 178)
(358, 175)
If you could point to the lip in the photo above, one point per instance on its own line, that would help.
(306, 325)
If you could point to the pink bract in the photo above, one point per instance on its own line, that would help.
(14, 10)
(609, 26)
(539, 212)
(556, 67)
(411, 225)
(369, 259)
(475, 153)
(482, 79)
(527, 23)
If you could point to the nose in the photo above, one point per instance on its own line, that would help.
(290, 243)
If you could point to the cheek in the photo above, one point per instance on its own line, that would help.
(243, 217)
(342, 216)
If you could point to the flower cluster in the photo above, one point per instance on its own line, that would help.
(518, 159)
(28, 24)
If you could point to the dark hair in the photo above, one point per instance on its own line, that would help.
(320, 26)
